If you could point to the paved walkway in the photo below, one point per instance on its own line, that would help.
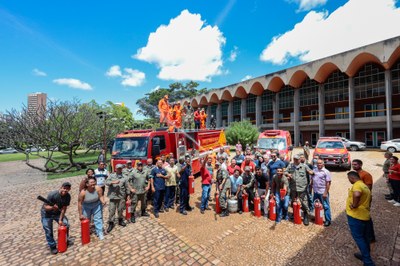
(195, 239)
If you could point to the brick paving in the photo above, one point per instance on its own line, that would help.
(194, 239)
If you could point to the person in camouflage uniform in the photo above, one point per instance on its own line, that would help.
(187, 116)
(223, 188)
(117, 193)
(248, 185)
(138, 187)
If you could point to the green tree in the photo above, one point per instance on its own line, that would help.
(243, 131)
(177, 91)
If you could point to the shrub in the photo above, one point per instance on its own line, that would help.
(243, 131)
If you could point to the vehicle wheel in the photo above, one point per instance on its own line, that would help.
(392, 149)
(353, 148)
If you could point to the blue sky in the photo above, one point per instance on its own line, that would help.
(120, 50)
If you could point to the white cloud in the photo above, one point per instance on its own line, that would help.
(133, 77)
(233, 54)
(355, 24)
(130, 77)
(38, 73)
(305, 5)
(185, 49)
(114, 71)
(247, 77)
(73, 83)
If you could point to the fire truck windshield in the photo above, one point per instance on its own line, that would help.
(272, 143)
(130, 147)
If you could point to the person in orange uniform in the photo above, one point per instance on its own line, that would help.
(171, 118)
(203, 117)
(197, 119)
(163, 108)
(178, 112)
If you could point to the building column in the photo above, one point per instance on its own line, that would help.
(208, 111)
(258, 111)
(389, 106)
(219, 115)
(321, 110)
(275, 108)
(230, 112)
(352, 128)
(296, 117)
(243, 110)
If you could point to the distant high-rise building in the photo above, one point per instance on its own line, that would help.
(37, 102)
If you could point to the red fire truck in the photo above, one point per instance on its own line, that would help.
(139, 145)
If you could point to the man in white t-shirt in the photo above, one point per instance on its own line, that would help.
(101, 175)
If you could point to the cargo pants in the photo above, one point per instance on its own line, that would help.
(115, 204)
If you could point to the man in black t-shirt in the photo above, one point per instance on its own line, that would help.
(60, 200)
(261, 188)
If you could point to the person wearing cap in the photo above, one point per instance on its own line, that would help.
(297, 175)
(138, 187)
(118, 192)
(248, 185)
(128, 170)
(223, 188)
(163, 108)
(60, 200)
(157, 181)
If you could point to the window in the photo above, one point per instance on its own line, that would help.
(336, 88)
(343, 134)
(160, 140)
(214, 110)
(292, 116)
(342, 112)
(309, 93)
(286, 98)
(280, 118)
(314, 115)
(237, 107)
(374, 109)
(251, 104)
(130, 147)
(224, 109)
(396, 78)
(369, 82)
(266, 100)
(330, 145)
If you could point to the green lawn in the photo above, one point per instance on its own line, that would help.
(91, 156)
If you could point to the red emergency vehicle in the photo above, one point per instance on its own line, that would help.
(280, 140)
(139, 145)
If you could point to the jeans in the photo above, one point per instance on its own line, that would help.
(169, 196)
(205, 194)
(157, 200)
(359, 232)
(48, 229)
(183, 198)
(325, 204)
(281, 206)
(95, 209)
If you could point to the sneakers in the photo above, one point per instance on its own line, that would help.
(202, 211)
(392, 201)
(397, 204)
(327, 223)
(358, 256)
(183, 213)
(101, 237)
(53, 250)
(156, 215)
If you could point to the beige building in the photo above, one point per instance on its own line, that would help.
(37, 102)
(355, 94)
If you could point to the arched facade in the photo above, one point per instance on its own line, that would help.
(342, 94)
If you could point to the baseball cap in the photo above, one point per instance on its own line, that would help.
(119, 166)
(139, 163)
(217, 163)
(296, 157)
(247, 168)
(129, 161)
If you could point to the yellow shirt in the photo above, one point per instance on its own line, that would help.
(172, 171)
(362, 211)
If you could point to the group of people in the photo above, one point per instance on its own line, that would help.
(175, 116)
(250, 172)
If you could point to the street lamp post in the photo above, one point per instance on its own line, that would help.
(103, 115)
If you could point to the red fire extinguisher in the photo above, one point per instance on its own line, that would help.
(245, 199)
(318, 212)
(272, 209)
(128, 210)
(257, 207)
(62, 238)
(296, 212)
(191, 184)
(85, 231)
(217, 207)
